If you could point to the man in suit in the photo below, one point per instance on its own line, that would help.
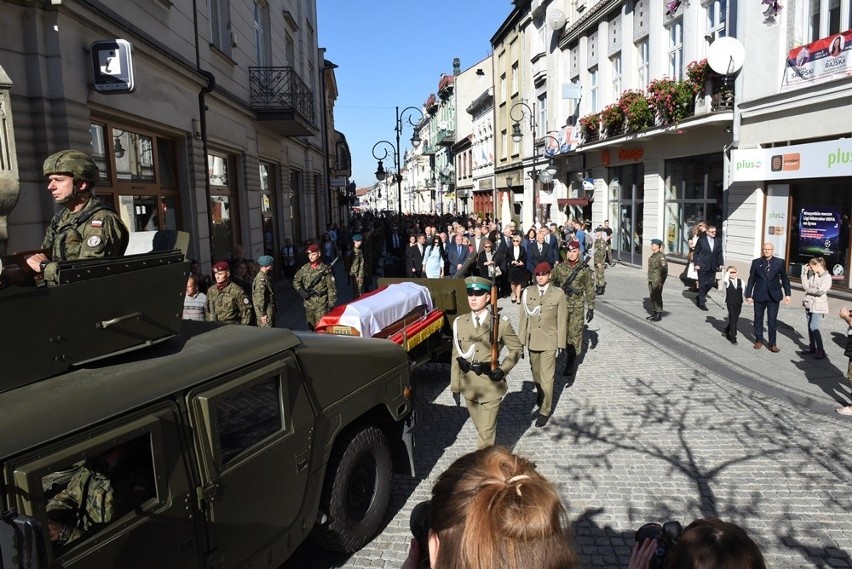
(707, 257)
(553, 241)
(501, 252)
(477, 239)
(543, 329)
(471, 372)
(457, 253)
(767, 285)
(540, 250)
(397, 242)
(414, 257)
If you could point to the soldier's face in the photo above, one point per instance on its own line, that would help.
(61, 186)
(477, 299)
(654, 248)
(221, 276)
(573, 254)
(542, 279)
(313, 256)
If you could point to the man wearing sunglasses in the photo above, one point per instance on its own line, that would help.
(471, 374)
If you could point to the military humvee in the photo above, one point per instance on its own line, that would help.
(244, 441)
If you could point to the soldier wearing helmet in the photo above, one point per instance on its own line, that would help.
(86, 228)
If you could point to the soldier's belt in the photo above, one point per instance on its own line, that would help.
(480, 368)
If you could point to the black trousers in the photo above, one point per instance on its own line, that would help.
(771, 309)
(706, 280)
(734, 310)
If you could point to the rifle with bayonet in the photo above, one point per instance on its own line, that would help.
(309, 289)
(567, 287)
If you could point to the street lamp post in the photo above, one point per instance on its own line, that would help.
(544, 176)
(394, 150)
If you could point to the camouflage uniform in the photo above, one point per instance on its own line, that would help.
(582, 296)
(658, 270)
(599, 259)
(97, 494)
(94, 232)
(229, 305)
(358, 270)
(322, 297)
(263, 299)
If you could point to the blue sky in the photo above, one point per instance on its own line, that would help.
(391, 53)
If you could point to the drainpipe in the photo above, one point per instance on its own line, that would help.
(202, 122)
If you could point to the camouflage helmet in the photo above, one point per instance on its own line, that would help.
(74, 162)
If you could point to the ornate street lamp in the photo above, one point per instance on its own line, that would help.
(544, 176)
(390, 149)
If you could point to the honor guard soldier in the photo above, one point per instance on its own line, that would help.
(226, 301)
(471, 374)
(358, 268)
(599, 253)
(658, 270)
(86, 228)
(577, 282)
(315, 284)
(543, 330)
(262, 295)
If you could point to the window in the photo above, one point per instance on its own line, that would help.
(594, 95)
(137, 176)
(503, 90)
(542, 113)
(828, 17)
(717, 14)
(515, 81)
(675, 50)
(223, 204)
(615, 72)
(642, 60)
(220, 24)
(261, 33)
(693, 193)
(289, 50)
(504, 145)
(247, 416)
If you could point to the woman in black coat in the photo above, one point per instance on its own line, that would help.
(516, 261)
(487, 261)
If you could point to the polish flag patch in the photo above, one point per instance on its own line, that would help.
(97, 223)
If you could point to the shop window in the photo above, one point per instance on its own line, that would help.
(223, 204)
(693, 193)
(826, 233)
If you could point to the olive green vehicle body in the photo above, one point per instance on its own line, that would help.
(245, 425)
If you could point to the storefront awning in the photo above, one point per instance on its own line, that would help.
(582, 202)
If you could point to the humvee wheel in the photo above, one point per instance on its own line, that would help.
(356, 491)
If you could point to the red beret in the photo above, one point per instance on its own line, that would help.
(221, 266)
(573, 245)
(542, 268)
(312, 248)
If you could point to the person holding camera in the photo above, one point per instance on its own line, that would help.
(491, 508)
(471, 373)
(704, 544)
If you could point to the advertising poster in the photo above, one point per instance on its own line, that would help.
(823, 60)
(777, 224)
(819, 231)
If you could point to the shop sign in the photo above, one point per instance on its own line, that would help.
(823, 60)
(112, 66)
(777, 222)
(827, 159)
(819, 230)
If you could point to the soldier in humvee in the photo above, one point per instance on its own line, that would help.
(86, 228)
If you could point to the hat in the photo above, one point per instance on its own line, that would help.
(657, 242)
(599, 228)
(573, 245)
(264, 260)
(542, 268)
(357, 237)
(74, 162)
(312, 248)
(221, 266)
(477, 283)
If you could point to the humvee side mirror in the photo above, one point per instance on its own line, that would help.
(22, 541)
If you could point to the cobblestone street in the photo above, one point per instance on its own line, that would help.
(661, 423)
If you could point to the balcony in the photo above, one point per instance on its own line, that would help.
(427, 149)
(282, 101)
(445, 137)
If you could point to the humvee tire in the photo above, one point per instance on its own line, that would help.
(356, 491)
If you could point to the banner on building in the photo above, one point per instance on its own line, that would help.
(823, 60)
(777, 225)
(826, 159)
(819, 231)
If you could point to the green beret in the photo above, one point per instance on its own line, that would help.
(265, 260)
(657, 242)
(357, 237)
(477, 283)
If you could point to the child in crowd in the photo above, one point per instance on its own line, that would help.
(847, 317)
(734, 302)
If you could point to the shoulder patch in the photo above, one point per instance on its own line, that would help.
(93, 241)
(97, 223)
(504, 318)
(245, 300)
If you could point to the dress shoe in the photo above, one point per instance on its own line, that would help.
(774, 349)
(733, 340)
(651, 317)
(758, 345)
(809, 352)
(820, 355)
(704, 307)
(542, 421)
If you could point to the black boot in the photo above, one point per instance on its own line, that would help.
(603, 289)
(657, 317)
(570, 358)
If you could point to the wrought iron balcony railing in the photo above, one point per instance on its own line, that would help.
(279, 90)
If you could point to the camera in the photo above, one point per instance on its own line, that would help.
(419, 525)
(667, 536)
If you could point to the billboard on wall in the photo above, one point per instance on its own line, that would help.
(819, 231)
(823, 60)
(826, 159)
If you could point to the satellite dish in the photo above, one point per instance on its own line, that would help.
(726, 55)
(556, 19)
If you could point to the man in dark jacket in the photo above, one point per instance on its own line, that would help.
(707, 257)
(767, 285)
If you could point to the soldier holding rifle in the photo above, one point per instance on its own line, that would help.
(315, 284)
(577, 282)
(476, 372)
